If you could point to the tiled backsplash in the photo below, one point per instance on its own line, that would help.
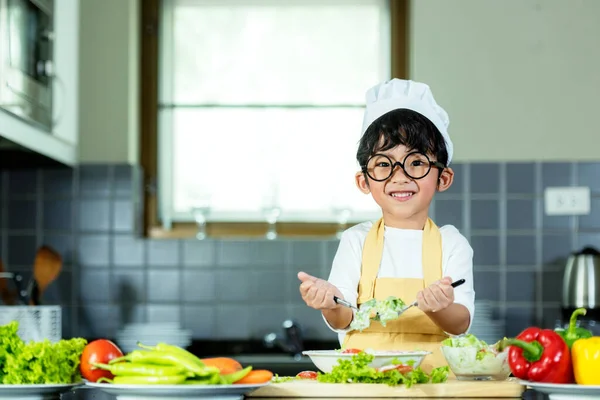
(240, 289)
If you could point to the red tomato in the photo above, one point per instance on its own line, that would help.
(351, 351)
(307, 375)
(403, 369)
(98, 351)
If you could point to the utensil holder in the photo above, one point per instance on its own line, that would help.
(35, 322)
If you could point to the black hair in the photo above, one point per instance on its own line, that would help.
(402, 127)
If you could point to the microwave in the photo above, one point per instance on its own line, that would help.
(26, 60)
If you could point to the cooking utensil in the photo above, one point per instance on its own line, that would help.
(581, 283)
(48, 264)
(344, 303)
(414, 303)
(5, 293)
(18, 281)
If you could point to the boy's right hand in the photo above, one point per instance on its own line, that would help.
(318, 293)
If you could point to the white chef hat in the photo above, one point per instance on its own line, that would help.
(416, 96)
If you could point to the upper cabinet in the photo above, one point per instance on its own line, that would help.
(109, 81)
(39, 78)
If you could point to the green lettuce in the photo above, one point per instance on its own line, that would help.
(40, 362)
(357, 370)
(382, 311)
(468, 340)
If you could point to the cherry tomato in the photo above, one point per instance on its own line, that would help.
(98, 351)
(307, 375)
(351, 351)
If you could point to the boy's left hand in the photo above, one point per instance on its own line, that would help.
(437, 296)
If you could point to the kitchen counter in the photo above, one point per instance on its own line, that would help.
(453, 388)
(91, 394)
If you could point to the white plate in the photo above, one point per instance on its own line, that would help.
(565, 391)
(325, 360)
(176, 392)
(34, 392)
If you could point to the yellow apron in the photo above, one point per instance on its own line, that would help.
(413, 330)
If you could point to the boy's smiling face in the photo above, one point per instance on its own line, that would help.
(405, 201)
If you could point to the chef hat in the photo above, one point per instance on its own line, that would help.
(416, 96)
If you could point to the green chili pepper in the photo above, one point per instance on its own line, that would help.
(211, 380)
(168, 348)
(236, 376)
(133, 369)
(167, 359)
(573, 333)
(149, 380)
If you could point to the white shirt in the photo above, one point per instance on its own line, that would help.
(402, 258)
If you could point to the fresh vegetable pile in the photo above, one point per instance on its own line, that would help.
(38, 362)
(382, 311)
(165, 364)
(556, 356)
(357, 370)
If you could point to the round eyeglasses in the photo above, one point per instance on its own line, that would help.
(416, 165)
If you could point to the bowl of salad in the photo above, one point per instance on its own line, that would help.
(325, 360)
(472, 359)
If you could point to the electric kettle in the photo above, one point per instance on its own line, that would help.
(581, 283)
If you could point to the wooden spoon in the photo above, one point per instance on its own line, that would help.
(48, 264)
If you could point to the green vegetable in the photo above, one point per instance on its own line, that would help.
(388, 309)
(483, 353)
(574, 333)
(439, 375)
(236, 376)
(362, 318)
(168, 359)
(168, 348)
(145, 380)
(383, 311)
(357, 370)
(40, 362)
(207, 380)
(133, 369)
(167, 364)
(283, 379)
(468, 340)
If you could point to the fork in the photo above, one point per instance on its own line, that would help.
(414, 303)
(344, 303)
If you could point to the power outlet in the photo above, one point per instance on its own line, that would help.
(567, 200)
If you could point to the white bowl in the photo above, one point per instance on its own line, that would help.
(464, 364)
(325, 360)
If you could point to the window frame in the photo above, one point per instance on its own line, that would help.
(148, 141)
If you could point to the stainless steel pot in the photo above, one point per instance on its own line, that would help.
(581, 283)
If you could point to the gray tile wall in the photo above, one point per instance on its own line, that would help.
(241, 289)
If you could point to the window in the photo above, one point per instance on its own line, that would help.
(292, 75)
(261, 105)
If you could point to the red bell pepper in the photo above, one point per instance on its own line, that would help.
(540, 355)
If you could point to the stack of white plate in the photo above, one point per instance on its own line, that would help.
(484, 327)
(150, 334)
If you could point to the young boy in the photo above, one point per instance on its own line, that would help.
(404, 155)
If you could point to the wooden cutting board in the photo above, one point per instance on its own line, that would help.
(452, 388)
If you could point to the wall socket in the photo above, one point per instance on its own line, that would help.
(567, 200)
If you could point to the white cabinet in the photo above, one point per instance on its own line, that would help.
(61, 143)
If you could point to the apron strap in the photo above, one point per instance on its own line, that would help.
(373, 252)
(432, 253)
(371, 260)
